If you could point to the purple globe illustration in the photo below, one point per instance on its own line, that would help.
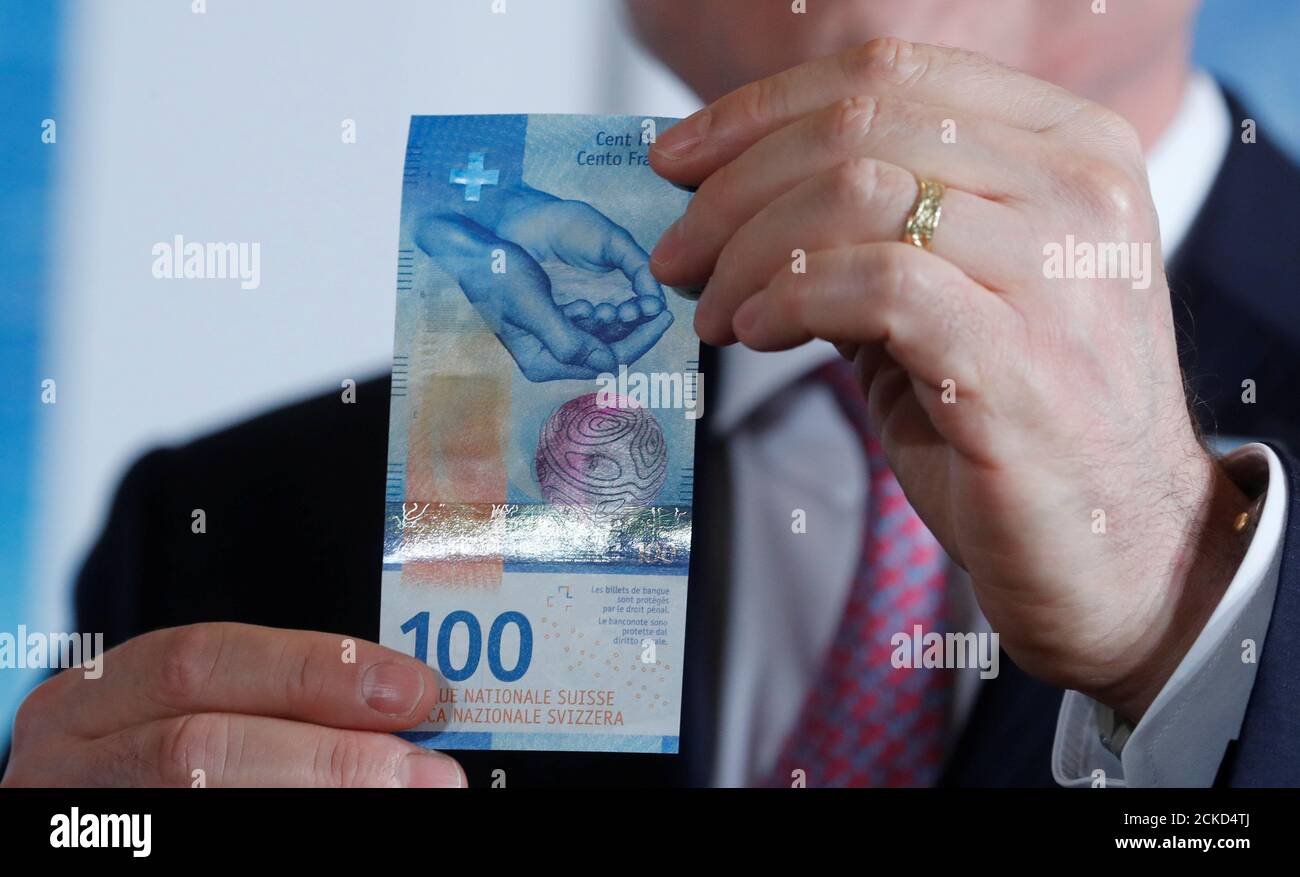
(607, 458)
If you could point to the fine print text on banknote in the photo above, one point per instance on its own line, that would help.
(541, 441)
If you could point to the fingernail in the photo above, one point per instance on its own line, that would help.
(392, 689)
(670, 245)
(430, 770)
(682, 139)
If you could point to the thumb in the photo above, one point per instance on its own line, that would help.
(531, 307)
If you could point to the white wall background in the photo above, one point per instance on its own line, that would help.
(226, 126)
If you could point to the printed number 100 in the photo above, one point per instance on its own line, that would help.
(420, 624)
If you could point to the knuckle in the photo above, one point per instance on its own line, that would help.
(345, 761)
(868, 183)
(189, 658)
(197, 740)
(1118, 196)
(886, 59)
(759, 102)
(1108, 190)
(895, 274)
(305, 677)
(849, 123)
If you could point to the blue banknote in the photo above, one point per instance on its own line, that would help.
(541, 441)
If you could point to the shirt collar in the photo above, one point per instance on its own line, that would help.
(1181, 168)
(1185, 161)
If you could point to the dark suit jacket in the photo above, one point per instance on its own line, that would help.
(294, 503)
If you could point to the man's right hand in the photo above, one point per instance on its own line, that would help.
(247, 706)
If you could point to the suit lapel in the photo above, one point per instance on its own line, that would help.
(1235, 283)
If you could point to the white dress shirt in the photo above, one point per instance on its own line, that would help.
(791, 451)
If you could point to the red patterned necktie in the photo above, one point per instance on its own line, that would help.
(865, 722)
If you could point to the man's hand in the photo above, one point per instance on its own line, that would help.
(246, 706)
(1037, 424)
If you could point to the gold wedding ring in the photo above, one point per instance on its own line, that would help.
(924, 218)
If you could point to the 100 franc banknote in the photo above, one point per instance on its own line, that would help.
(541, 439)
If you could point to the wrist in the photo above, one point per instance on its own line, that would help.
(1207, 551)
